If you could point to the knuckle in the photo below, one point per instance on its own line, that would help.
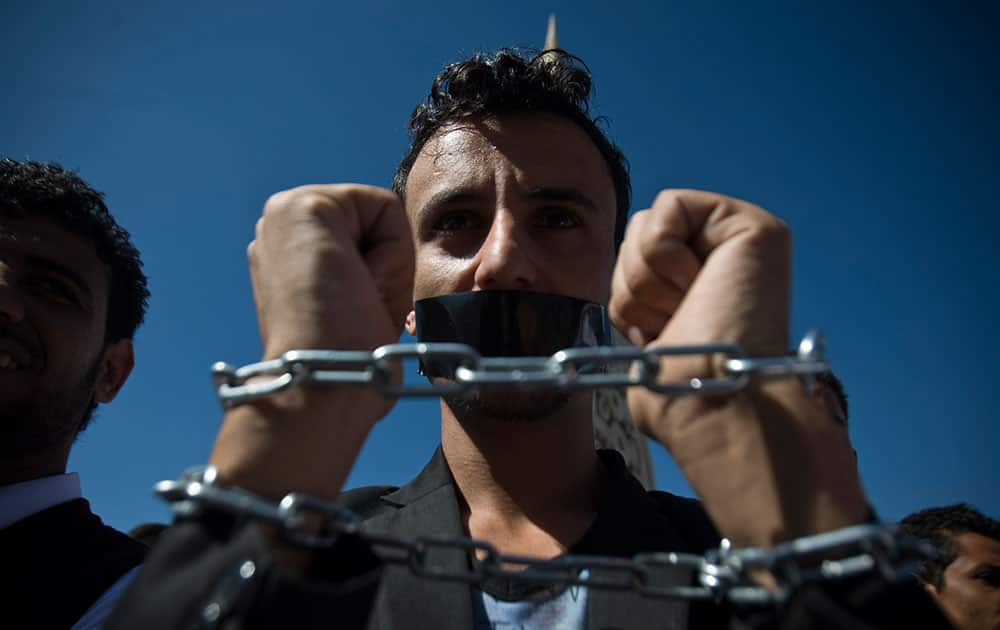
(636, 284)
(666, 197)
(276, 201)
(781, 227)
(772, 230)
(618, 311)
(620, 283)
(655, 233)
(628, 310)
(617, 318)
(724, 208)
(629, 304)
(303, 199)
(635, 224)
(311, 202)
(633, 276)
(371, 193)
(768, 242)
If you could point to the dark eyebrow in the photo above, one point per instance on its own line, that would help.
(571, 195)
(986, 567)
(63, 271)
(456, 196)
(447, 197)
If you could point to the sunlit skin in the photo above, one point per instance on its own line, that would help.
(53, 312)
(526, 202)
(970, 589)
(824, 395)
(523, 202)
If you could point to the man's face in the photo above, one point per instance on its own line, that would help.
(524, 202)
(970, 590)
(53, 309)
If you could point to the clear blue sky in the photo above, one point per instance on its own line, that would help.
(872, 130)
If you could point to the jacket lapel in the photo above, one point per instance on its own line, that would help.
(629, 522)
(427, 506)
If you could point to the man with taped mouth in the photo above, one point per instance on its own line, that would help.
(72, 293)
(512, 223)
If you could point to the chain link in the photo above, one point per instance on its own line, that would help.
(570, 369)
(720, 574)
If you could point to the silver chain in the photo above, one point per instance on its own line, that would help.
(723, 573)
(720, 574)
(570, 369)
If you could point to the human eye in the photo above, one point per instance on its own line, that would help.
(558, 218)
(55, 287)
(989, 576)
(454, 221)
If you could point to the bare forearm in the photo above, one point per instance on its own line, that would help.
(263, 447)
(769, 463)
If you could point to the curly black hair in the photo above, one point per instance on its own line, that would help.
(506, 82)
(62, 197)
(939, 525)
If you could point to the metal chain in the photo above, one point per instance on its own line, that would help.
(722, 574)
(570, 369)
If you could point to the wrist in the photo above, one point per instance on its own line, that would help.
(768, 463)
(297, 441)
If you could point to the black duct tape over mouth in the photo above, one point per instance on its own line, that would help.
(509, 324)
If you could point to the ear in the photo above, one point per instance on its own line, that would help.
(928, 587)
(411, 324)
(116, 364)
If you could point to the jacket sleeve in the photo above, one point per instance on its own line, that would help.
(202, 575)
(860, 603)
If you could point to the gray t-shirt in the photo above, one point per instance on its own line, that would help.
(552, 607)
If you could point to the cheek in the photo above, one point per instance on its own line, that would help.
(584, 272)
(54, 325)
(586, 282)
(437, 273)
(965, 598)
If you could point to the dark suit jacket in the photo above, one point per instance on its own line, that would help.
(631, 521)
(196, 566)
(58, 562)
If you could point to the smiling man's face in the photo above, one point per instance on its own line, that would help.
(53, 356)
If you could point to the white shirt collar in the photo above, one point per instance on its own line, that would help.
(21, 500)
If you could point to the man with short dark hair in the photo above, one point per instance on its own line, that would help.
(965, 578)
(72, 293)
(511, 239)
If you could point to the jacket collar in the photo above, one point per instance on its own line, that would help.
(427, 507)
(628, 522)
(434, 476)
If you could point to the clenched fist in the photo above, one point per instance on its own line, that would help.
(331, 268)
(768, 462)
(700, 267)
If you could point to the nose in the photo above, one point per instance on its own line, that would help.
(11, 303)
(505, 261)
